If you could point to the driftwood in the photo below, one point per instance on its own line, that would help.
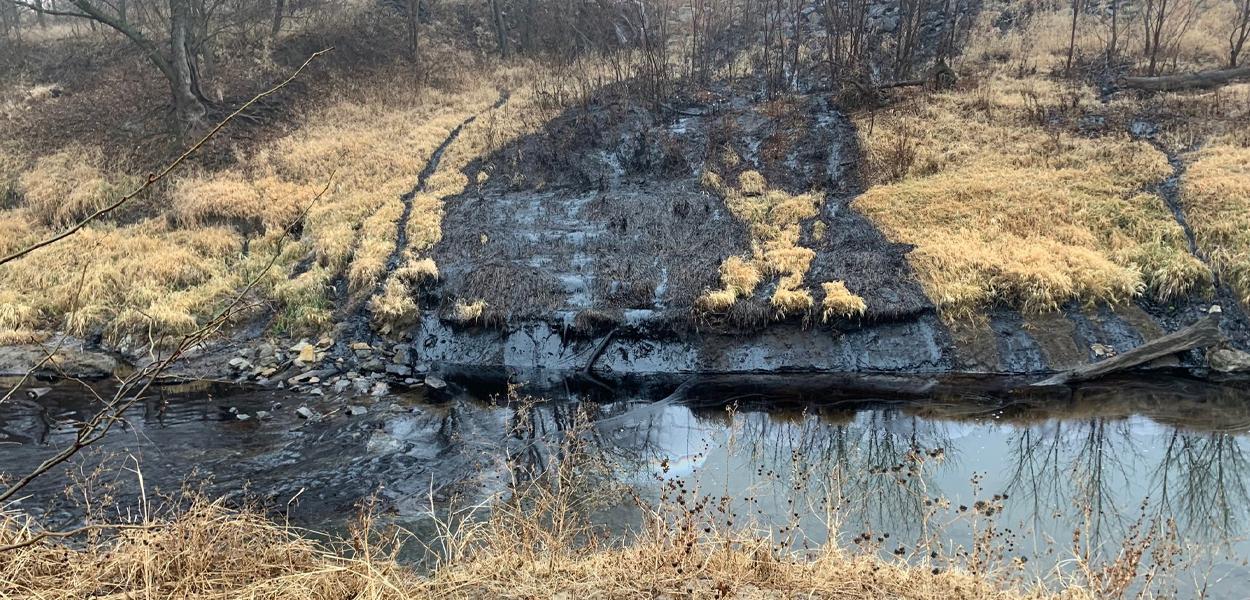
(1188, 81)
(1203, 333)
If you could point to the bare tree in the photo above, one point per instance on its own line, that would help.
(1113, 37)
(1165, 23)
(1240, 32)
(414, 21)
(1076, 12)
(501, 28)
(176, 58)
(279, 12)
(911, 18)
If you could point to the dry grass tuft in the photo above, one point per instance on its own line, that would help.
(774, 219)
(468, 312)
(1216, 196)
(841, 302)
(62, 188)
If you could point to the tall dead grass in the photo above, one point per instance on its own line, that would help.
(1216, 196)
(1004, 208)
(63, 187)
(165, 273)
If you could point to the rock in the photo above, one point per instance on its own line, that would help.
(1215, 310)
(243, 416)
(307, 413)
(341, 386)
(1102, 350)
(399, 370)
(380, 389)
(402, 353)
(1229, 360)
(372, 365)
(355, 410)
(297, 348)
(240, 364)
(435, 382)
(308, 354)
(265, 351)
(362, 385)
(262, 414)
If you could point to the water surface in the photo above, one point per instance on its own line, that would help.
(901, 466)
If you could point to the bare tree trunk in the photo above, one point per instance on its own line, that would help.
(1113, 41)
(279, 11)
(39, 17)
(184, 83)
(501, 31)
(1076, 11)
(1155, 16)
(414, 20)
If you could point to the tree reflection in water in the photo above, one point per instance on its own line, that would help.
(1104, 460)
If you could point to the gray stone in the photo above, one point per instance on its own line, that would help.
(307, 413)
(362, 385)
(435, 382)
(380, 389)
(399, 370)
(1229, 360)
(402, 354)
(341, 386)
(243, 416)
(355, 410)
(372, 365)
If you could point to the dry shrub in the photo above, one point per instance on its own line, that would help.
(840, 302)
(1039, 41)
(1003, 210)
(1216, 196)
(62, 188)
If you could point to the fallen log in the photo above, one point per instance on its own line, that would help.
(1187, 81)
(1205, 332)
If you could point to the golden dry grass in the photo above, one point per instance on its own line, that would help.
(208, 551)
(774, 219)
(1215, 193)
(1003, 210)
(169, 272)
(840, 302)
(62, 188)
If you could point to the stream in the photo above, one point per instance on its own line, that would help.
(892, 464)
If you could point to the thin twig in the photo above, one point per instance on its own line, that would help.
(153, 178)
